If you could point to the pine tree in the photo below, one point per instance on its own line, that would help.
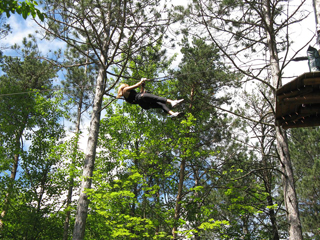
(4, 29)
(143, 153)
(128, 165)
(304, 146)
(200, 78)
(18, 107)
(111, 32)
(251, 28)
(78, 87)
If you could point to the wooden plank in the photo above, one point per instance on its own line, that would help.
(312, 81)
(310, 110)
(291, 118)
(311, 122)
(298, 102)
(291, 86)
(295, 93)
(302, 100)
(286, 109)
(299, 82)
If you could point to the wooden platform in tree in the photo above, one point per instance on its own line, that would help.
(298, 102)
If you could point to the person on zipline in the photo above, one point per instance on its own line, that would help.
(146, 100)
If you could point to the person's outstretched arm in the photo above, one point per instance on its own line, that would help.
(136, 85)
(142, 90)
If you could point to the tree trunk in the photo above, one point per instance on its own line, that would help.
(196, 195)
(272, 214)
(157, 200)
(316, 6)
(267, 179)
(290, 197)
(179, 197)
(83, 203)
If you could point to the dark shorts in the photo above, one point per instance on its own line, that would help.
(148, 100)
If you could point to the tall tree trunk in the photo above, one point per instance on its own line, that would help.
(74, 155)
(179, 198)
(290, 197)
(267, 179)
(83, 203)
(272, 214)
(196, 195)
(157, 201)
(275, 234)
(316, 6)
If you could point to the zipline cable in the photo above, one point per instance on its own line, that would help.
(28, 92)
(157, 79)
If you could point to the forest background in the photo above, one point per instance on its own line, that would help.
(223, 171)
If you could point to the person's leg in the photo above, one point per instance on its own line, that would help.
(148, 100)
(164, 108)
(174, 102)
(151, 98)
(148, 97)
(167, 110)
(174, 114)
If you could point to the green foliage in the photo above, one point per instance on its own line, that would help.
(304, 146)
(4, 30)
(113, 202)
(24, 8)
(25, 75)
(251, 183)
(135, 141)
(213, 224)
(227, 190)
(30, 131)
(38, 181)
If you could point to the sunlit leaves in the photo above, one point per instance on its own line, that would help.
(25, 8)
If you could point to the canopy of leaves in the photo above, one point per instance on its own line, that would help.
(24, 8)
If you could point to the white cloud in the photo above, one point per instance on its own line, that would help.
(22, 28)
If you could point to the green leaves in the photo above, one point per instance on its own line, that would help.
(25, 8)
(304, 150)
(114, 201)
(30, 130)
(212, 224)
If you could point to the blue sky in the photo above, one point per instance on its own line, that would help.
(301, 33)
(22, 28)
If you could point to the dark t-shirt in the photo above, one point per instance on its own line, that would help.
(132, 97)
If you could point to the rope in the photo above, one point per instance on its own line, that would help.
(168, 77)
(28, 92)
(157, 79)
(165, 78)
